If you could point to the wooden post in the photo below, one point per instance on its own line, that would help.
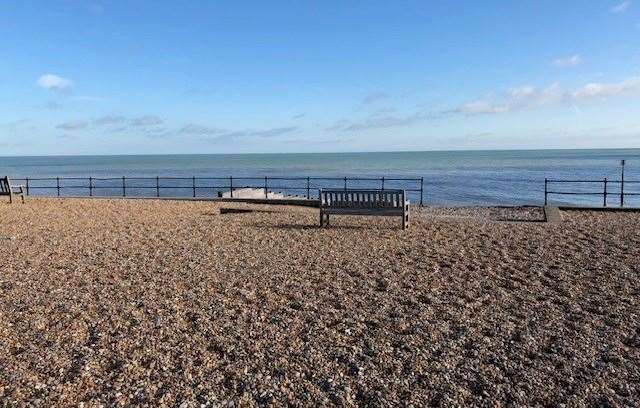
(545, 190)
(124, 187)
(231, 185)
(58, 185)
(308, 188)
(27, 179)
(90, 186)
(194, 186)
(157, 186)
(604, 200)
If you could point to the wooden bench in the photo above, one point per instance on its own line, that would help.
(6, 189)
(363, 202)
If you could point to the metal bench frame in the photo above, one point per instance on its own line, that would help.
(363, 202)
(6, 189)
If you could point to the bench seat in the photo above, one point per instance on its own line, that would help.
(390, 203)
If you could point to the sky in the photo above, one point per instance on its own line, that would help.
(161, 77)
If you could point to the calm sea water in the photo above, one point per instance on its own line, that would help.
(450, 178)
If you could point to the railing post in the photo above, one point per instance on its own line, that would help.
(345, 184)
(421, 190)
(231, 185)
(90, 186)
(124, 187)
(58, 185)
(308, 188)
(545, 190)
(27, 183)
(266, 188)
(157, 186)
(383, 182)
(604, 200)
(194, 186)
(622, 188)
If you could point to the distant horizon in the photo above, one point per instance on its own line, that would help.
(319, 153)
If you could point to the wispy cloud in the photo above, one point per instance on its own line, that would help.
(109, 120)
(621, 7)
(234, 135)
(73, 125)
(378, 121)
(55, 83)
(374, 97)
(529, 97)
(194, 129)
(565, 62)
(146, 121)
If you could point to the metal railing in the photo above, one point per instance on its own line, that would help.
(605, 191)
(304, 187)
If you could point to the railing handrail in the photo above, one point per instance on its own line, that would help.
(240, 182)
(605, 193)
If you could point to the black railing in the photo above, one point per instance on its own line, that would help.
(603, 191)
(304, 187)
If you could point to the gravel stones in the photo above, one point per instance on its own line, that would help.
(169, 303)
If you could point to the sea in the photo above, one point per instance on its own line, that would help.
(448, 178)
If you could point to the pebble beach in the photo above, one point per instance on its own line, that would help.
(171, 303)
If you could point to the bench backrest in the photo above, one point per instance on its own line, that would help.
(362, 198)
(5, 187)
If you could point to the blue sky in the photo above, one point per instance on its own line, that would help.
(131, 77)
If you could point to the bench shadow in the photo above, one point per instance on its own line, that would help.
(317, 227)
(516, 220)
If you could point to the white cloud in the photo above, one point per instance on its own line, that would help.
(529, 97)
(603, 90)
(621, 7)
(55, 83)
(571, 61)
(521, 98)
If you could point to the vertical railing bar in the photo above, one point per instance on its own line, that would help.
(58, 185)
(266, 187)
(622, 187)
(308, 188)
(231, 185)
(345, 184)
(27, 183)
(193, 179)
(421, 191)
(545, 190)
(90, 186)
(604, 199)
(124, 186)
(157, 186)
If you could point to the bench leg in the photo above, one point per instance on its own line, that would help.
(10, 198)
(22, 196)
(327, 221)
(321, 218)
